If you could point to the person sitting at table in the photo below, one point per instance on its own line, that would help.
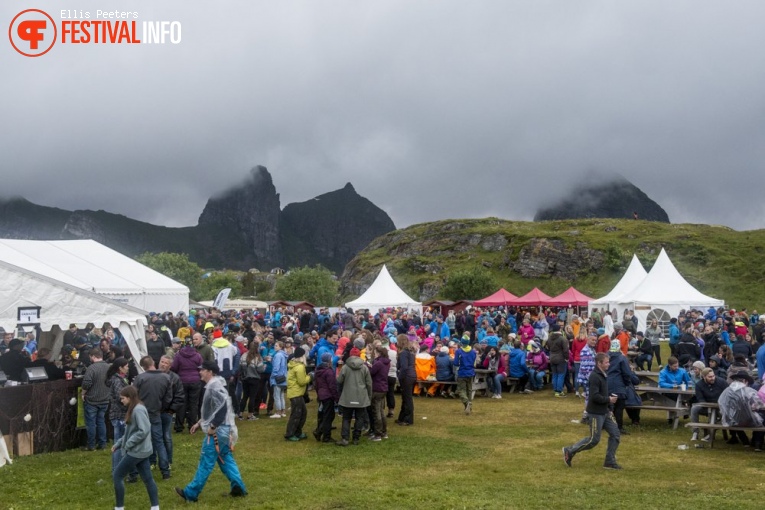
(740, 364)
(708, 391)
(538, 363)
(444, 371)
(673, 375)
(714, 364)
(497, 366)
(645, 352)
(518, 367)
(741, 406)
(695, 372)
(620, 376)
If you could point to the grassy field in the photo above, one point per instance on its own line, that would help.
(507, 454)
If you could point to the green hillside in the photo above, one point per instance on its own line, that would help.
(590, 254)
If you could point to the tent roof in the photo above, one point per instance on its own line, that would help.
(89, 265)
(383, 293)
(632, 277)
(60, 303)
(569, 297)
(665, 286)
(499, 298)
(534, 297)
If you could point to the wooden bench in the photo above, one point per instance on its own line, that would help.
(713, 427)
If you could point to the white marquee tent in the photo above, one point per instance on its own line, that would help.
(91, 266)
(384, 293)
(663, 293)
(60, 304)
(632, 277)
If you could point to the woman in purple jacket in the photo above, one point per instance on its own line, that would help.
(379, 373)
(325, 383)
(186, 364)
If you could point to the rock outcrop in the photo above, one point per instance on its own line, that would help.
(604, 197)
(331, 228)
(238, 229)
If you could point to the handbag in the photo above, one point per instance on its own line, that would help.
(280, 379)
(632, 399)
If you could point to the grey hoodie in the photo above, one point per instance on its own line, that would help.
(357, 384)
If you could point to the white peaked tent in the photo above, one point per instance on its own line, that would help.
(89, 265)
(663, 293)
(61, 304)
(384, 293)
(632, 277)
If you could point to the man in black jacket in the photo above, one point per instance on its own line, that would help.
(601, 417)
(176, 405)
(708, 390)
(156, 392)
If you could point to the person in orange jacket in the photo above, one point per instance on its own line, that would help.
(623, 336)
(425, 367)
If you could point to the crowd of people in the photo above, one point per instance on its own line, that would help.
(211, 368)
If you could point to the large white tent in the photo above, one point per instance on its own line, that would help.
(635, 274)
(384, 293)
(663, 293)
(59, 304)
(89, 265)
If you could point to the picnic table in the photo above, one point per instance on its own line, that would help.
(673, 401)
(648, 378)
(712, 426)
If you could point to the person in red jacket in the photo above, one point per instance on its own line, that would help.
(604, 341)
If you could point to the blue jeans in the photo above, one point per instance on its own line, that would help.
(95, 424)
(207, 461)
(495, 383)
(279, 392)
(158, 443)
(558, 376)
(119, 431)
(167, 435)
(537, 378)
(127, 464)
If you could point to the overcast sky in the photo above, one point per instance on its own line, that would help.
(432, 109)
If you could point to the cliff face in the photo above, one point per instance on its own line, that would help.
(239, 229)
(609, 197)
(331, 228)
(252, 212)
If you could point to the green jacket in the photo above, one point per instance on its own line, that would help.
(357, 384)
(137, 439)
(297, 380)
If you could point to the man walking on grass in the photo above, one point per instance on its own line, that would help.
(220, 430)
(601, 417)
(464, 360)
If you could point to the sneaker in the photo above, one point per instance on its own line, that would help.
(578, 395)
(695, 436)
(624, 432)
(468, 408)
(612, 466)
(294, 439)
(384, 436)
(239, 416)
(389, 415)
(276, 415)
(375, 438)
(528, 391)
(499, 396)
(236, 492)
(317, 435)
(302, 436)
(132, 479)
(165, 476)
(252, 417)
(558, 394)
(342, 442)
(567, 456)
(706, 438)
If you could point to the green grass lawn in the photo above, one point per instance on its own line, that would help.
(507, 454)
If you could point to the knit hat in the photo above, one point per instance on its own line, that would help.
(466, 336)
(326, 358)
(617, 326)
(359, 343)
(355, 352)
(698, 364)
(601, 331)
(465, 340)
(299, 353)
(615, 346)
(444, 349)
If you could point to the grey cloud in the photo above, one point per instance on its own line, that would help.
(432, 109)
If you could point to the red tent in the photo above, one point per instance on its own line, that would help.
(535, 297)
(569, 297)
(499, 298)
